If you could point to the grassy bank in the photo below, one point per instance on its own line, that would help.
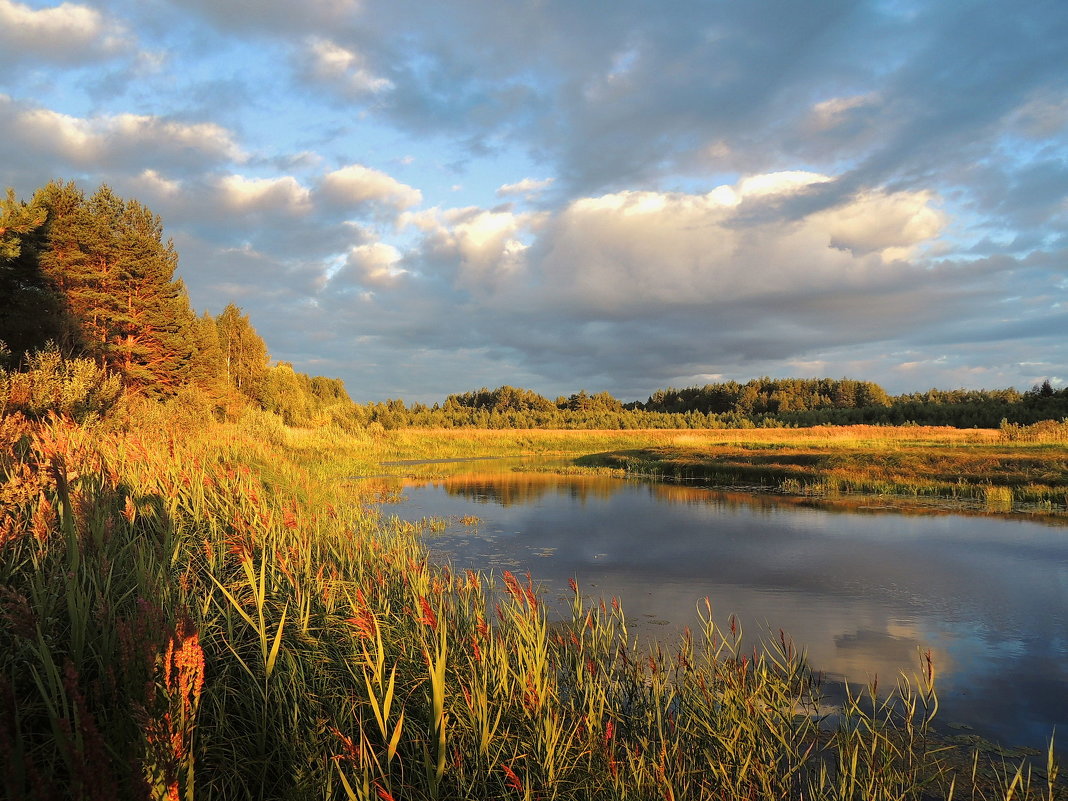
(210, 611)
(1022, 470)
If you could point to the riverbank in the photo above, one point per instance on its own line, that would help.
(980, 468)
(194, 610)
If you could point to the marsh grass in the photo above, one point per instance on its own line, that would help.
(999, 473)
(210, 613)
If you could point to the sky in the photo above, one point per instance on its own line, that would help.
(424, 198)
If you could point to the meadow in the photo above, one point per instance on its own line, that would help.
(208, 610)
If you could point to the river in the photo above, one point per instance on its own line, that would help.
(863, 586)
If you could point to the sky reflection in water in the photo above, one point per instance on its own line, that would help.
(862, 592)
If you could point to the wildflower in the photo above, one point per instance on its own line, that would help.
(513, 780)
(511, 584)
(187, 658)
(364, 623)
(350, 749)
(428, 617)
(289, 518)
(472, 580)
(44, 517)
(929, 667)
(129, 511)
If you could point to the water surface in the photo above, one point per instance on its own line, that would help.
(863, 591)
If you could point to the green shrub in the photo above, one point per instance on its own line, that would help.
(51, 383)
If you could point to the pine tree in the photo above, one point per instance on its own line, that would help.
(31, 311)
(108, 260)
(150, 331)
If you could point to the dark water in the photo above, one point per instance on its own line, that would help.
(864, 590)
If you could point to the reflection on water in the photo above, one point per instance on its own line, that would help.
(863, 591)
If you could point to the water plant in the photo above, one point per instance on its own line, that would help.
(210, 613)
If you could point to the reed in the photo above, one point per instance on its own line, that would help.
(995, 474)
(210, 613)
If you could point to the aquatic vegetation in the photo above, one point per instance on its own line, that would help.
(999, 474)
(210, 613)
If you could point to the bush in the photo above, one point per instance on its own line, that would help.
(76, 388)
(263, 426)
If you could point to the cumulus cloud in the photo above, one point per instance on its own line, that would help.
(282, 195)
(64, 34)
(628, 252)
(375, 265)
(633, 288)
(482, 250)
(716, 194)
(120, 141)
(358, 186)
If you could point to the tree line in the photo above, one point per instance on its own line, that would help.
(91, 279)
(763, 402)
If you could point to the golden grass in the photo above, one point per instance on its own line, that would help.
(210, 613)
(974, 464)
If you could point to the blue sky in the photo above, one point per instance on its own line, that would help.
(426, 198)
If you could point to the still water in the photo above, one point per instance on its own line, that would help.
(864, 591)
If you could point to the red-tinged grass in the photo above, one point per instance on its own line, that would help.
(212, 614)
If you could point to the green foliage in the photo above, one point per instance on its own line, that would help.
(77, 388)
(502, 399)
(244, 354)
(31, 311)
(286, 395)
(188, 613)
(263, 426)
(770, 396)
(1046, 431)
(16, 221)
(105, 259)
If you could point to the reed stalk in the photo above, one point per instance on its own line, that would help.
(205, 614)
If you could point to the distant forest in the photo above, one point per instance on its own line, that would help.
(92, 314)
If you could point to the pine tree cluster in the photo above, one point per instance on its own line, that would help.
(91, 279)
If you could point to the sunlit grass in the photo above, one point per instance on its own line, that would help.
(977, 465)
(215, 612)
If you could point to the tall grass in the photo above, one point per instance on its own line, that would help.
(211, 613)
(995, 472)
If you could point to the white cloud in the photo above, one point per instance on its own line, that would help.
(778, 183)
(283, 195)
(890, 224)
(65, 33)
(152, 186)
(342, 67)
(374, 265)
(528, 187)
(641, 250)
(356, 185)
(133, 140)
(486, 246)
